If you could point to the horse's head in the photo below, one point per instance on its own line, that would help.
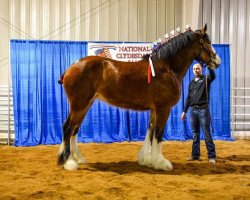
(206, 53)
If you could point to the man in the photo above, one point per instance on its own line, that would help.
(197, 99)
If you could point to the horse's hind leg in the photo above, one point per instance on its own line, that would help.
(69, 155)
(75, 150)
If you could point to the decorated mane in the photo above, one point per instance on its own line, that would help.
(171, 46)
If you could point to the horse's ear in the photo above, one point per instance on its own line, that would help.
(204, 30)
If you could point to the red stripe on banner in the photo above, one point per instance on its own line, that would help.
(107, 52)
(149, 74)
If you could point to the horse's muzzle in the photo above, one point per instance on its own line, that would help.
(215, 63)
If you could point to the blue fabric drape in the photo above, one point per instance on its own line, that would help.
(219, 102)
(40, 104)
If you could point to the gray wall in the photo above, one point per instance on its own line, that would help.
(94, 20)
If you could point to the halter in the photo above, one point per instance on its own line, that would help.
(211, 54)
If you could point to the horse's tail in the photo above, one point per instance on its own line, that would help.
(60, 81)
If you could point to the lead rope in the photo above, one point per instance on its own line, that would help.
(209, 114)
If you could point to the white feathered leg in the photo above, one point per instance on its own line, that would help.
(157, 159)
(71, 163)
(75, 151)
(144, 157)
(61, 149)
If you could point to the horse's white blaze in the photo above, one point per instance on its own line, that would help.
(217, 58)
(157, 159)
(70, 164)
(75, 150)
(144, 157)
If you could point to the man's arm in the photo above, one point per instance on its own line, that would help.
(211, 76)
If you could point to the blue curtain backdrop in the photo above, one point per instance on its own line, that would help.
(40, 104)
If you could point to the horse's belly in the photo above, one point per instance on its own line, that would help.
(124, 102)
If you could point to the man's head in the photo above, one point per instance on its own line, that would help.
(197, 70)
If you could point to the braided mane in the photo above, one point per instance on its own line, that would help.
(172, 47)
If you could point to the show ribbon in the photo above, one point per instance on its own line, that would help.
(151, 70)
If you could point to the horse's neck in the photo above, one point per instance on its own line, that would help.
(181, 62)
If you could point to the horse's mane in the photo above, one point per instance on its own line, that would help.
(172, 47)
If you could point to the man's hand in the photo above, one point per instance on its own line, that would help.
(183, 116)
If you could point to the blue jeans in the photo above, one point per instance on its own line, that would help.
(200, 118)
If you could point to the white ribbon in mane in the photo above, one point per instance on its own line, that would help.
(152, 67)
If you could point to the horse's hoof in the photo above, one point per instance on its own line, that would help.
(81, 160)
(145, 163)
(145, 160)
(70, 164)
(164, 164)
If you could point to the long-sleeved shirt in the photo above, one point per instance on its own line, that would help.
(197, 90)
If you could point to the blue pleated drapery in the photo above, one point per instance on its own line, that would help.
(219, 102)
(40, 104)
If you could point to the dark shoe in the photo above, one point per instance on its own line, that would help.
(193, 159)
(212, 160)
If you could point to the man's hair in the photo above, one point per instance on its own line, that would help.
(198, 65)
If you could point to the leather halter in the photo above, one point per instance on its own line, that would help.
(210, 53)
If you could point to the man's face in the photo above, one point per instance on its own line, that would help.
(197, 70)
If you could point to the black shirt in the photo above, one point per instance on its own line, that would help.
(197, 90)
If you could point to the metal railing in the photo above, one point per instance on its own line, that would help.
(240, 111)
(6, 115)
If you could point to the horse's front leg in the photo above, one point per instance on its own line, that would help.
(144, 157)
(157, 159)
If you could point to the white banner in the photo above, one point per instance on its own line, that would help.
(129, 52)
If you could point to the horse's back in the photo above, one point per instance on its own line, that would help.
(123, 84)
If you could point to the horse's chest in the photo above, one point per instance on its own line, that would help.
(172, 88)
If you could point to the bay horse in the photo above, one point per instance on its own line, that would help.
(124, 84)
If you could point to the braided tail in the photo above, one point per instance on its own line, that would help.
(60, 81)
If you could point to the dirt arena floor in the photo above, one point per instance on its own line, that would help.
(112, 172)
